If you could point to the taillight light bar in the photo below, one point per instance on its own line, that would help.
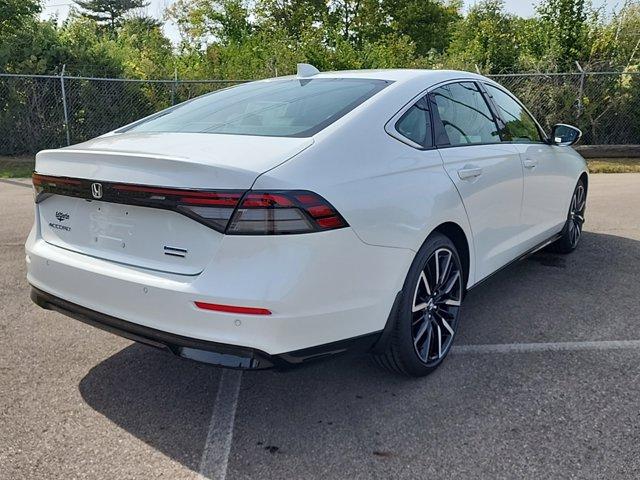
(233, 212)
(283, 212)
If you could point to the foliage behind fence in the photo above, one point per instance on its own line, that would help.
(605, 106)
(32, 111)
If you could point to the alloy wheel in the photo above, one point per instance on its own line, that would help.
(576, 215)
(436, 305)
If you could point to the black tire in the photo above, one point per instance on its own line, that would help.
(572, 230)
(428, 310)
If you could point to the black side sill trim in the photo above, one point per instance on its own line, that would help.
(224, 355)
(526, 254)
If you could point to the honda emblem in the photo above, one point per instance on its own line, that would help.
(96, 190)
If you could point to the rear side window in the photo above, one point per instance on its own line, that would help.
(415, 124)
(465, 115)
(279, 108)
(519, 125)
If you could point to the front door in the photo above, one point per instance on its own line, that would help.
(486, 172)
(547, 189)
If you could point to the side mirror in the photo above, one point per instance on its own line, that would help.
(565, 135)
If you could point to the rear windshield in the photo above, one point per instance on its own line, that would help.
(279, 108)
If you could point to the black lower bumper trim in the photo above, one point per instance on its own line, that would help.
(220, 354)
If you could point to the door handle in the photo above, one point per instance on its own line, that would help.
(529, 163)
(469, 172)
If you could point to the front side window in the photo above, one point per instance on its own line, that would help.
(519, 125)
(465, 115)
(279, 108)
(415, 124)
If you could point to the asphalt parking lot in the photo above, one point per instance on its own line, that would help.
(544, 383)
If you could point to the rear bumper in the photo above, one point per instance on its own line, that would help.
(219, 354)
(321, 288)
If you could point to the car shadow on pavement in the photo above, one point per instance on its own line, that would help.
(163, 401)
(167, 402)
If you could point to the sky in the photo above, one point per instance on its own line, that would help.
(524, 8)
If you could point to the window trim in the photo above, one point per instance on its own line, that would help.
(544, 139)
(440, 125)
(437, 128)
(390, 126)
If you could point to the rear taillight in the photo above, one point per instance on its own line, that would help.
(283, 212)
(214, 210)
(235, 212)
(62, 185)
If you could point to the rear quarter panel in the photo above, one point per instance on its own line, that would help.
(392, 195)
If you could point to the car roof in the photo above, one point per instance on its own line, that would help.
(398, 75)
(394, 75)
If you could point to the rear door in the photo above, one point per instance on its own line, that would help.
(546, 187)
(486, 172)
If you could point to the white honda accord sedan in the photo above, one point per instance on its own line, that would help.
(289, 219)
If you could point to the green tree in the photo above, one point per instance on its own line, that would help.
(109, 12)
(15, 14)
(202, 22)
(87, 51)
(616, 43)
(566, 30)
(487, 37)
(17, 25)
(429, 23)
(357, 21)
(294, 17)
(143, 50)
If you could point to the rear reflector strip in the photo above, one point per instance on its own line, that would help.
(232, 309)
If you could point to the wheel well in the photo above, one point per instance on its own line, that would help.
(457, 236)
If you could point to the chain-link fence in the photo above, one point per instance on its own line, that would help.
(604, 105)
(38, 112)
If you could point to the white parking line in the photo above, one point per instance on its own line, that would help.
(545, 347)
(215, 456)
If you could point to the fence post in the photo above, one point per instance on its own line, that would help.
(64, 105)
(579, 104)
(174, 86)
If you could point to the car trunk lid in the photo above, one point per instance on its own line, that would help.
(142, 236)
(189, 160)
